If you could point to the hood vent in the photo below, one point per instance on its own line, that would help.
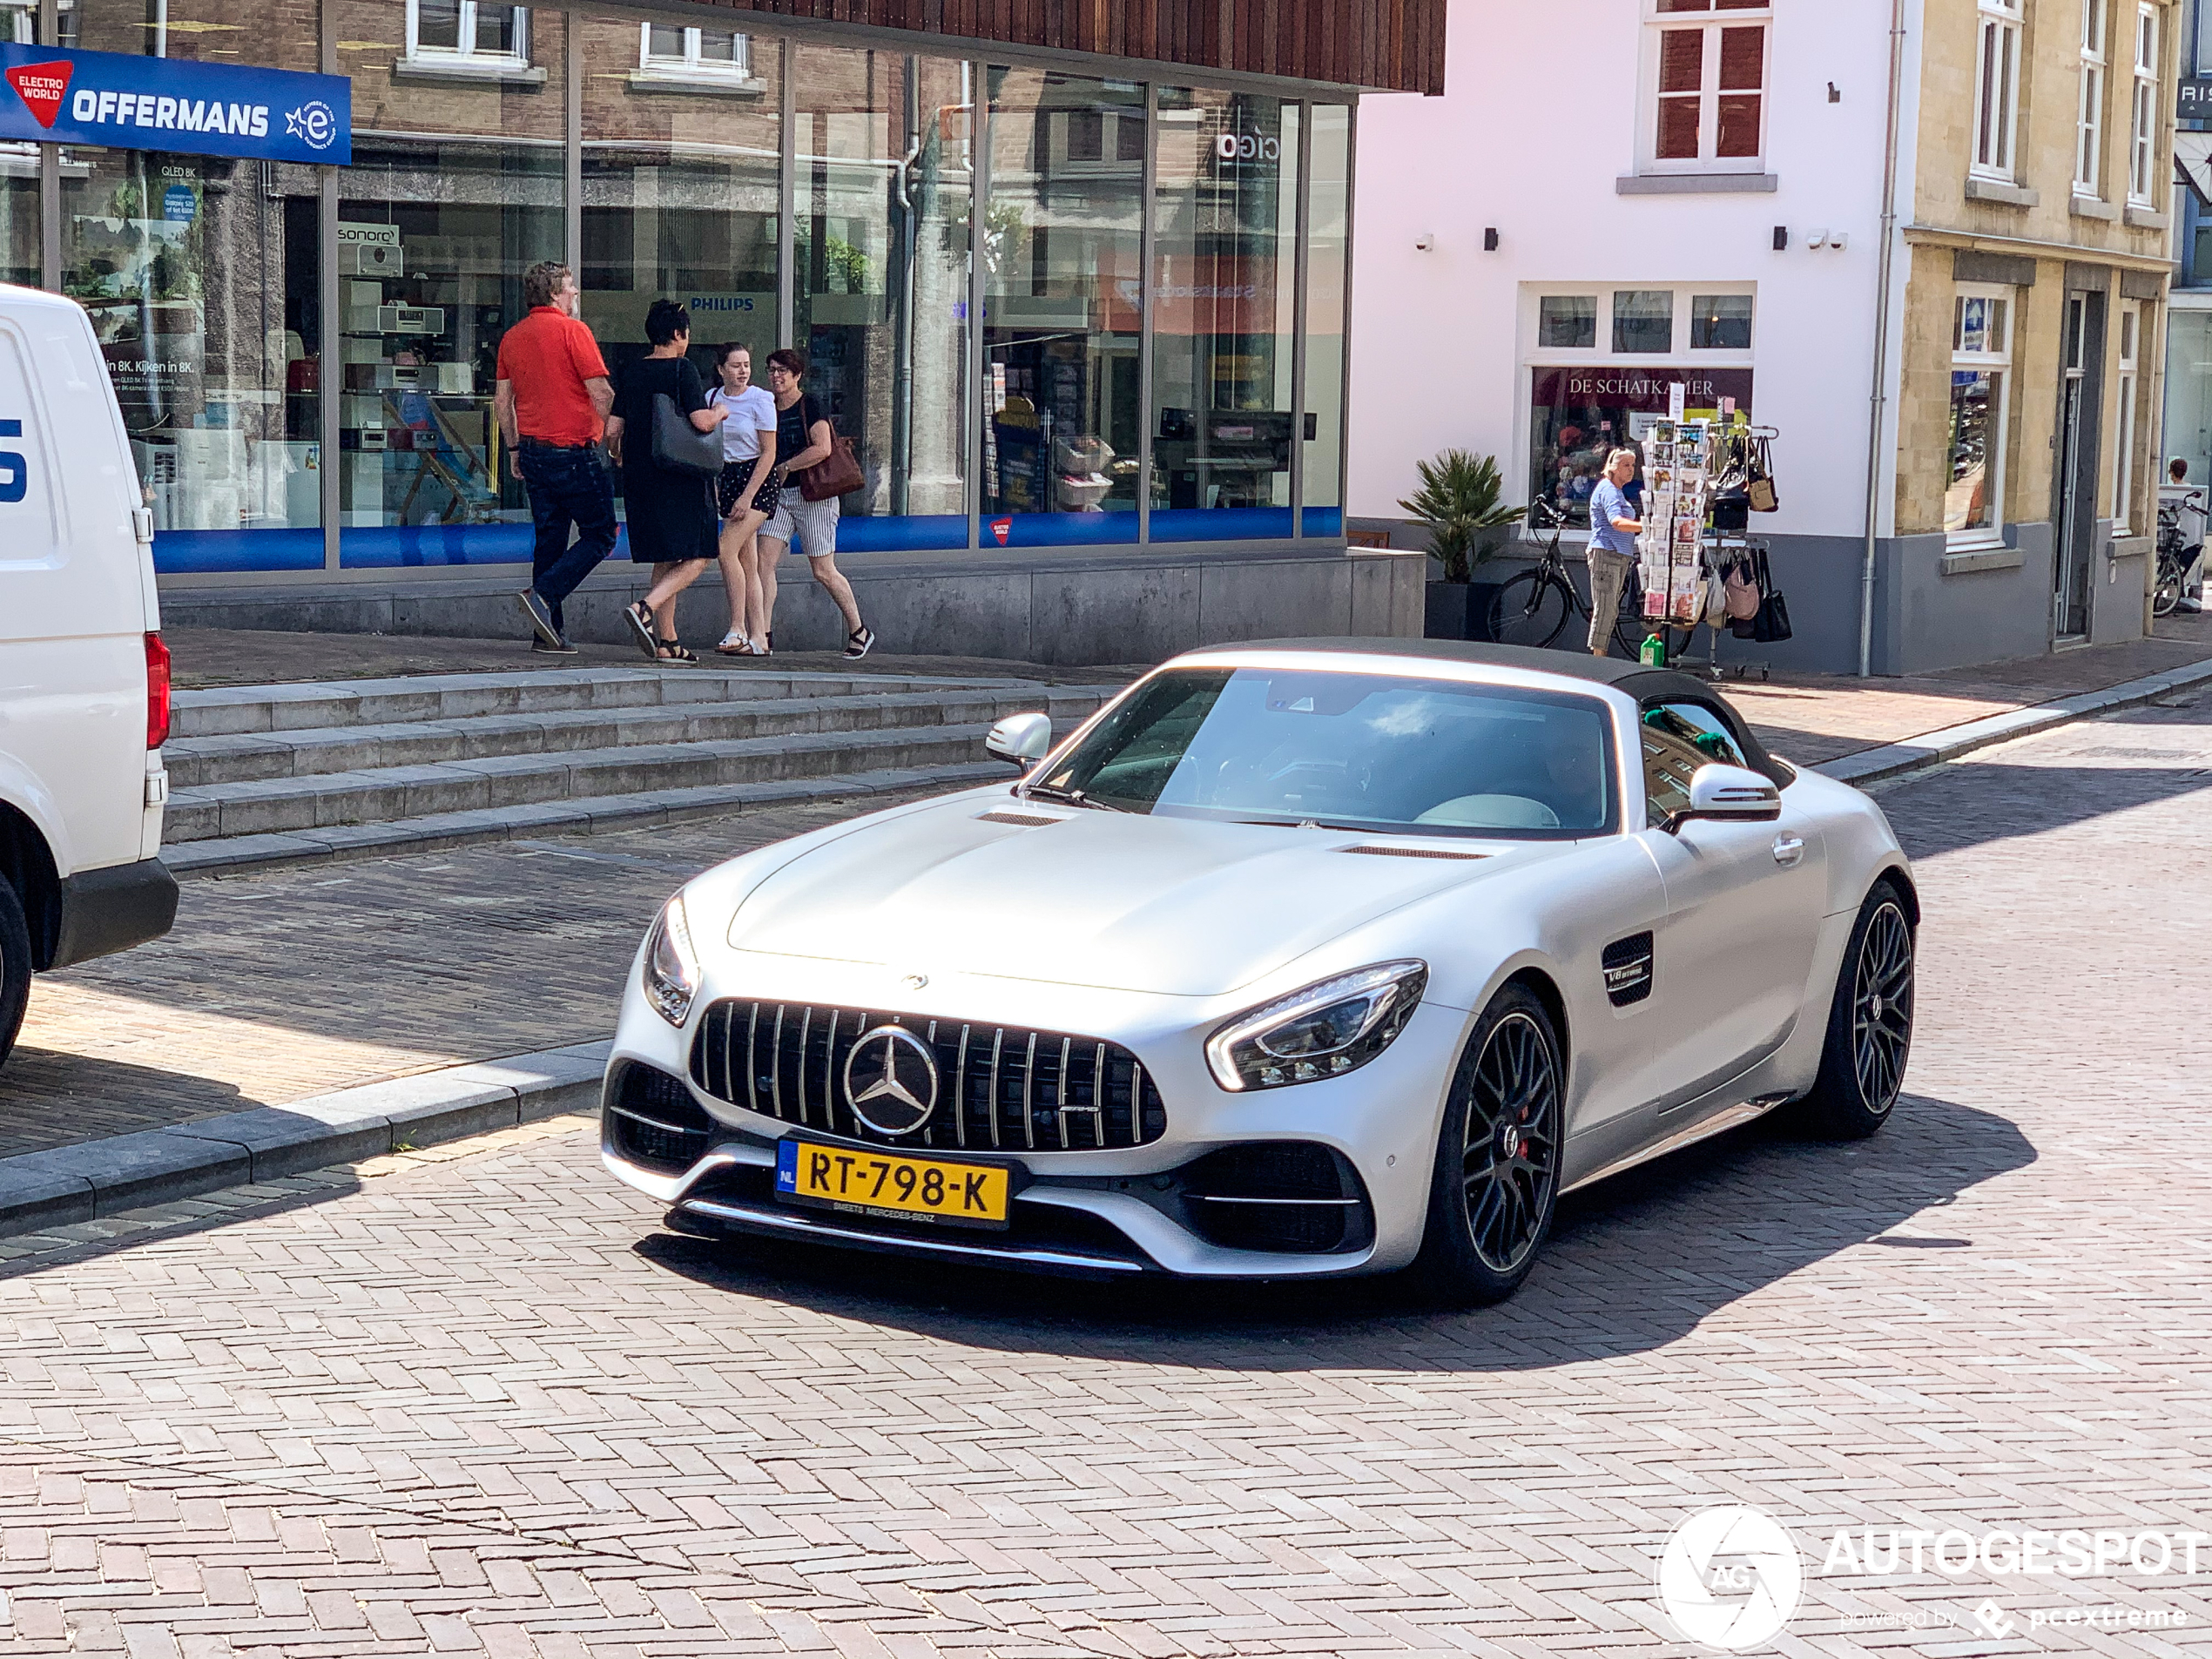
(1412, 853)
(1023, 818)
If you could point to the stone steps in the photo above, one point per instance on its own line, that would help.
(283, 773)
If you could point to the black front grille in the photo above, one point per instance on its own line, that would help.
(653, 1122)
(1000, 1088)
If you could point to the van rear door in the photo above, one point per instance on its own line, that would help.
(77, 594)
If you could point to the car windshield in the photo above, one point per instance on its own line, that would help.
(1367, 752)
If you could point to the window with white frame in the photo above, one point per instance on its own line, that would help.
(1706, 67)
(2089, 123)
(671, 52)
(1602, 361)
(472, 32)
(1981, 359)
(2143, 150)
(2123, 460)
(1997, 77)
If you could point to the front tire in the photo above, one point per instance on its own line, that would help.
(1496, 1179)
(1530, 610)
(15, 967)
(1869, 1024)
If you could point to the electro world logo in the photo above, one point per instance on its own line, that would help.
(1730, 1577)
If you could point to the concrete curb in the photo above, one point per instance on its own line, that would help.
(73, 1183)
(1895, 760)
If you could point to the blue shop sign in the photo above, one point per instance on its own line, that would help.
(180, 206)
(57, 95)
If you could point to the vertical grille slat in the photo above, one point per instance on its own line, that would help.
(1068, 1087)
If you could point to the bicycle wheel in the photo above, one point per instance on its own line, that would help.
(1531, 610)
(2167, 594)
(1631, 628)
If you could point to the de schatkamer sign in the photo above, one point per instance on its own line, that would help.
(57, 95)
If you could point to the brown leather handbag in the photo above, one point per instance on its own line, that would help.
(836, 474)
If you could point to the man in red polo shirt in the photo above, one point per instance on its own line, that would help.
(552, 404)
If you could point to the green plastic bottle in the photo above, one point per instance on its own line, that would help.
(1654, 653)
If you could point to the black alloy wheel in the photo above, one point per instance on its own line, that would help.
(1496, 1181)
(1869, 1024)
(1881, 1034)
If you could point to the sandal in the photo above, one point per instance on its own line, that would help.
(641, 624)
(668, 650)
(736, 645)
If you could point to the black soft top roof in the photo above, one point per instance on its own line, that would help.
(1645, 685)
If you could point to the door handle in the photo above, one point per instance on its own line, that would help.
(1788, 849)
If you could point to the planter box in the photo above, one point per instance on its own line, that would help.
(1445, 616)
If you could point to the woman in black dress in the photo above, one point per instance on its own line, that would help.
(670, 514)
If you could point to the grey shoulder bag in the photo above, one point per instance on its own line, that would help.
(680, 446)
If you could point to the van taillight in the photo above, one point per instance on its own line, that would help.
(156, 692)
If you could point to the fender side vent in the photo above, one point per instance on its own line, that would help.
(1627, 969)
(1412, 853)
(1023, 818)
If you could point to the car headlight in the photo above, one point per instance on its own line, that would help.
(1321, 1031)
(671, 972)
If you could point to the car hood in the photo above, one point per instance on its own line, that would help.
(1168, 904)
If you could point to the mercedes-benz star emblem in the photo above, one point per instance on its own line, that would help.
(891, 1081)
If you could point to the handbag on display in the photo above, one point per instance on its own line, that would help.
(1771, 625)
(836, 474)
(1715, 611)
(680, 446)
(1742, 593)
(1760, 488)
(1732, 507)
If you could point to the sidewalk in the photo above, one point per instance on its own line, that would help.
(286, 986)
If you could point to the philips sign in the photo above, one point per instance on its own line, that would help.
(115, 99)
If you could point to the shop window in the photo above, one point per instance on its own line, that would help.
(1223, 329)
(1720, 322)
(885, 175)
(709, 56)
(1997, 70)
(2142, 156)
(1061, 414)
(471, 33)
(2088, 126)
(1567, 321)
(2123, 459)
(1706, 64)
(1973, 496)
(1328, 250)
(1643, 319)
(1579, 415)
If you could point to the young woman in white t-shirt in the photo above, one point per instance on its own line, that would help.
(744, 495)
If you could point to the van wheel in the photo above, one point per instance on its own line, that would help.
(15, 967)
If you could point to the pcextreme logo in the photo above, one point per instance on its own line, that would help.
(1730, 1577)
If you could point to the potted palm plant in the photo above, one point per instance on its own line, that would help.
(1460, 503)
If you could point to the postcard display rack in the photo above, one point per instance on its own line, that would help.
(1679, 554)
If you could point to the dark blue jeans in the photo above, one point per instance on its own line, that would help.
(567, 486)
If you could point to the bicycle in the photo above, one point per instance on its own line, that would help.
(1534, 607)
(2175, 560)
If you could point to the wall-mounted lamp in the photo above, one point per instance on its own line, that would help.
(1425, 241)
(1781, 238)
(1490, 238)
(1834, 97)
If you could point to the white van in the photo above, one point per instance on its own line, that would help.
(84, 675)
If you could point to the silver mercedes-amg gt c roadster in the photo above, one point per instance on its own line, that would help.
(1298, 959)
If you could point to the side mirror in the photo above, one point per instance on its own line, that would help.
(1730, 793)
(1021, 740)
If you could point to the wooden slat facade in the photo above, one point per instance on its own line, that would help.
(1386, 46)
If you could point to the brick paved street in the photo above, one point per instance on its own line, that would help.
(480, 1402)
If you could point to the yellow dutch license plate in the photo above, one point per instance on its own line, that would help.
(891, 1183)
